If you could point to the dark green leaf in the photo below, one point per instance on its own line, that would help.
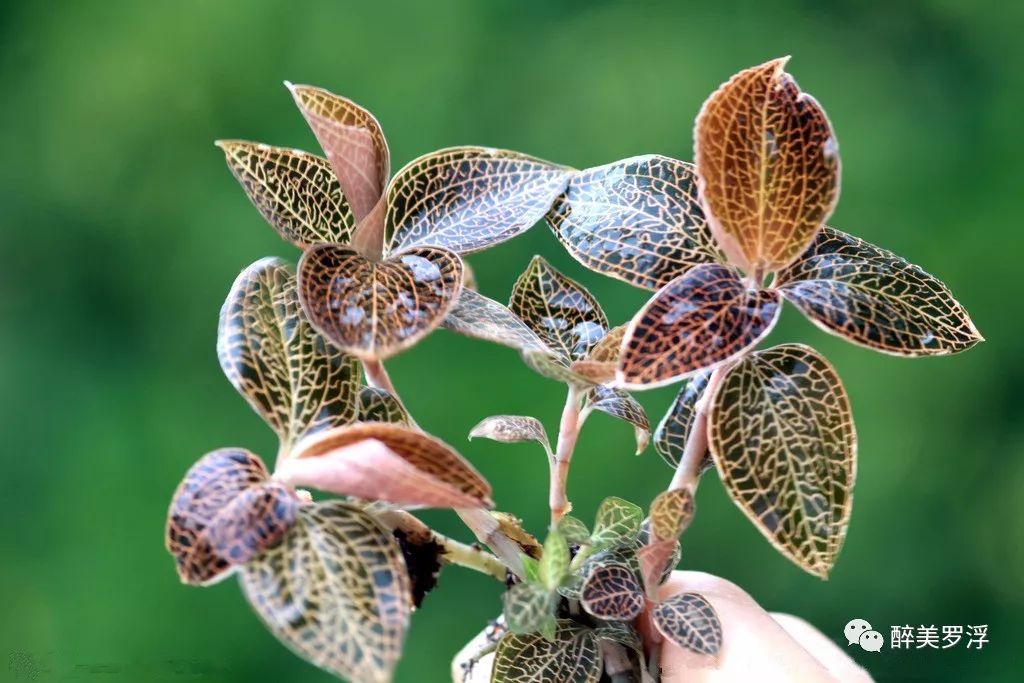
(617, 522)
(672, 434)
(689, 621)
(377, 405)
(571, 656)
(529, 608)
(612, 592)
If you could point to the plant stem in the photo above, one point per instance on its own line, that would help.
(454, 552)
(688, 471)
(488, 531)
(568, 431)
(377, 377)
(616, 662)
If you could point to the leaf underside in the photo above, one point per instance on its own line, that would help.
(335, 592)
(562, 313)
(769, 167)
(638, 220)
(572, 656)
(289, 374)
(465, 199)
(225, 511)
(427, 454)
(701, 318)
(374, 310)
(297, 193)
(876, 299)
(674, 430)
(689, 621)
(782, 436)
(476, 316)
(511, 429)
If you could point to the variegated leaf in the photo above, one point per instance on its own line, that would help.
(512, 429)
(874, 298)
(554, 563)
(609, 348)
(573, 530)
(617, 522)
(656, 561)
(225, 511)
(374, 310)
(425, 453)
(689, 621)
(353, 141)
(370, 470)
(553, 366)
(671, 512)
(572, 656)
(476, 316)
(700, 319)
(288, 373)
(623, 634)
(465, 199)
(674, 431)
(611, 592)
(768, 166)
(621, 405)
(377, 405)
(781, 433)
(335, 592)
(638, 220)
(529, 608)
(564, 314)
(297, 193)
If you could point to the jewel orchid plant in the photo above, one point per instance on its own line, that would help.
(721, 243)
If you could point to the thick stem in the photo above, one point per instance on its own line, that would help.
(568, 432)
(488, 531)
(454, 552)
(688, 472)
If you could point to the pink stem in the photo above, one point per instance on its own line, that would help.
(568, 432)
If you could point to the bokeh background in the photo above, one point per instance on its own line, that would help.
(122, 231)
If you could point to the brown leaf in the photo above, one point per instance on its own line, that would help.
(564, 314)
(427, 454)
(353, 141)
(370, 470)
(611, 592)
(874, 298)
(465, 199)
(638, 220)
(701, 318)
(781, 433)
(297, 193)
(768, 166)
(671, 512)
(512, 429)
(689, 621)
(374, 310)
(225, 511)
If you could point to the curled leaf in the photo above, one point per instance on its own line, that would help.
(872, 297)
(465, 199)
(621, 405)
(476, 316)
(378, 405)
(512, 429)
(335, 592)
(564, 314)
(374, 310)
(769, 167)
(287, 372)
(570, 656)
(353, 141)
(702, 318)
(617, 522)
(430, 456)
(689, 621)
(781, 433)
(224, 512)
(638, 220)
(671, 512)
(297, 193)
(674, 431)
(611, 592)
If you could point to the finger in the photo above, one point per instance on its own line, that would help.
(825, 650)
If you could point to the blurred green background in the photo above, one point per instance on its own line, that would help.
(122, 231)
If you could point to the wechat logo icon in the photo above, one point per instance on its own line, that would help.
(859, 632)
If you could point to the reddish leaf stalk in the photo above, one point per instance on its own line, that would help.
(688, 472)
(568, 432)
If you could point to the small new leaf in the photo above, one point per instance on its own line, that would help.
(617, 522)
(512, 429)
(689, 621)
(792, 476)
(572, 655)
(671, 512)
(528, 608)
(612, 592)
(554, 563)
(335, 591)
(573, 530)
